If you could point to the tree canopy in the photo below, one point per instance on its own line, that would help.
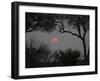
(40, 22)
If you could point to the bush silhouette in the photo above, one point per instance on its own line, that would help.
(36, 56)
(40, 56)
(69, 57)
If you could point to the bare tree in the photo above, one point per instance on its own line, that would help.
(76, 22)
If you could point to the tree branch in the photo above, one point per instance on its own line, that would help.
(79, 31)
(30, 30)
(72, 33)
(83, 25)
(84, 35)
(62, 30)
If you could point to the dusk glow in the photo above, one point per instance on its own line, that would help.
(54, 40)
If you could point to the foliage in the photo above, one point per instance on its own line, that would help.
(68, 57)
(79, 20)
(41, 56)
(36, 56)
(41, 22)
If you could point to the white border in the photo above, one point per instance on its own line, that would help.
(54, 70)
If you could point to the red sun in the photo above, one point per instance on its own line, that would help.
(54, 40)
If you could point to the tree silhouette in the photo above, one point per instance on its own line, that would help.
(36, 56)
(41, 22)
(49, 22)
(69, 57)
(76, 22)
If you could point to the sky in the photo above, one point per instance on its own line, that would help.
(56, 40)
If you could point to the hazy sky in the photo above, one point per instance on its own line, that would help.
(56, 40)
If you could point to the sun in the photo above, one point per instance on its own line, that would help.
(54, 40)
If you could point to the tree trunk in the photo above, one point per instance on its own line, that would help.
(84, 47)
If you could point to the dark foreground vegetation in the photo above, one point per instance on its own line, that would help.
(42, 57)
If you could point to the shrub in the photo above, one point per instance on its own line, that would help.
(69, 57)
(36, 56)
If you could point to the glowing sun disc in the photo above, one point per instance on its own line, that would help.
(54, 40)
